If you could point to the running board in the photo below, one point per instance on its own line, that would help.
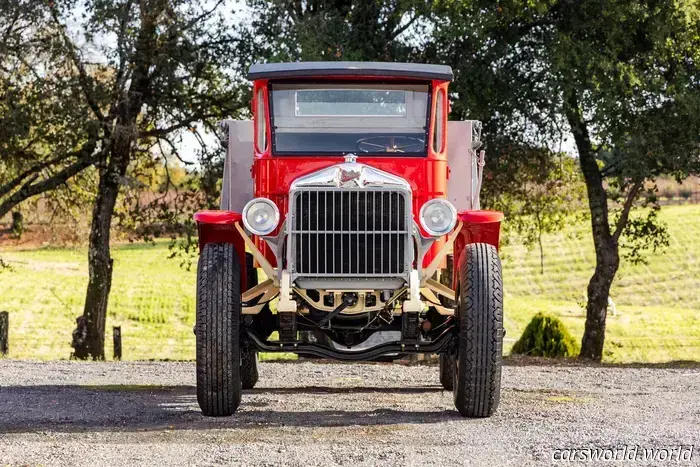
(305, 348)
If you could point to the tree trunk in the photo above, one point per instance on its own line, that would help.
(91, 328)
(593, 340)
(606, 246)
(90, 332)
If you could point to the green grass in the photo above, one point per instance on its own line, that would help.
(658, 305)
(153, 299)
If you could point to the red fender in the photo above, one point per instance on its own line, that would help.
(479, 227)
(220, 227)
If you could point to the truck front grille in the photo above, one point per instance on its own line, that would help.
(354, 233)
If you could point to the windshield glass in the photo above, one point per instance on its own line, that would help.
(344, 118)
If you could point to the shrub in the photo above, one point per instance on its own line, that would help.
(546, 336)
(17, 224)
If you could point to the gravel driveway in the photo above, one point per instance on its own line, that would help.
(67, 413)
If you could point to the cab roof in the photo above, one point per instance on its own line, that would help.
(366, 69)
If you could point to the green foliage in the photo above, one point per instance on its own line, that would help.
(539, 192)
(381, 30)
(4, 266)
(545, 336)
(621, 77)
(644, 233)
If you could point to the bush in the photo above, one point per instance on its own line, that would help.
(546, 336)
(17, 224)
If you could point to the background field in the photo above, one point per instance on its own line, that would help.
(153, 299)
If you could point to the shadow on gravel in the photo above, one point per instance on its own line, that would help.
(522, 360)
(134, 408)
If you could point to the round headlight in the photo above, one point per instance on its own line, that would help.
(438, 217)
(260, 216)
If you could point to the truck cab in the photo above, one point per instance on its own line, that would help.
(350, 226)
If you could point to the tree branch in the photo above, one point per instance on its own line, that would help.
(83, 77)
(17, 181)
(121, 70)
(396, 33)
(158, 132)
(626, 208)
(29, 189)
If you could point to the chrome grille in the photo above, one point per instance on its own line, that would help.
(350, 232)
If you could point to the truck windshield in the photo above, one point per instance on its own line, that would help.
(373, 119)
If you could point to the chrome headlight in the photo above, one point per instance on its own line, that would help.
(438, 217)
(260, 216)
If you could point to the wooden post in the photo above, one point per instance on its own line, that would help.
(117, 338)
(4, 332)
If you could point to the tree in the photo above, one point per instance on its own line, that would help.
(623, 77)
(47, 135)
(539, 192)
(141, 73)
(362, 30)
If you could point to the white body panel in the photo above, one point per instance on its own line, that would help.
(463, 141)
(237, 189)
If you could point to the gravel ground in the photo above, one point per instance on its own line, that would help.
(67, 413)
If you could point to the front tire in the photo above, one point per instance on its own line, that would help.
(218, 324)
(477, 370)
(249, 357)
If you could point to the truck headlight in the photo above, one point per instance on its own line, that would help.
(438, 217)
(260, 216)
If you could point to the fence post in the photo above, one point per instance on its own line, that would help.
(4, 332)
(117, 338)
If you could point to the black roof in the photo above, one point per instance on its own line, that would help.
(322, 69)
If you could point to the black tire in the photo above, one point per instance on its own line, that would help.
(249, 368)
(249, 357)
(218, 324)
(447, 368)
(477, 375)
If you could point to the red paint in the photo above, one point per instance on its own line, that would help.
(220, 227)
(479, 227)
(480, 217)
(273, 175)
(217, 217)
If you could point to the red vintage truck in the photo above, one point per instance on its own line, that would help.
(346, 193)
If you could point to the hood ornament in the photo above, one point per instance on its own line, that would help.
(351, 158)
(349, 176)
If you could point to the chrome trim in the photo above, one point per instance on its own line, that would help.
(438, 201)
(350, 175)
(350, 283)
(275, 211)
(361, 182)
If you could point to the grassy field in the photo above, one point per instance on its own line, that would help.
(153, 300)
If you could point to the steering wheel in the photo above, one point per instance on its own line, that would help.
(390, 144)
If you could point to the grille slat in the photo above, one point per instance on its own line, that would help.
(339, 232)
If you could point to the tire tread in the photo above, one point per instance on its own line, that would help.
(217, 330)
(480, 342)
